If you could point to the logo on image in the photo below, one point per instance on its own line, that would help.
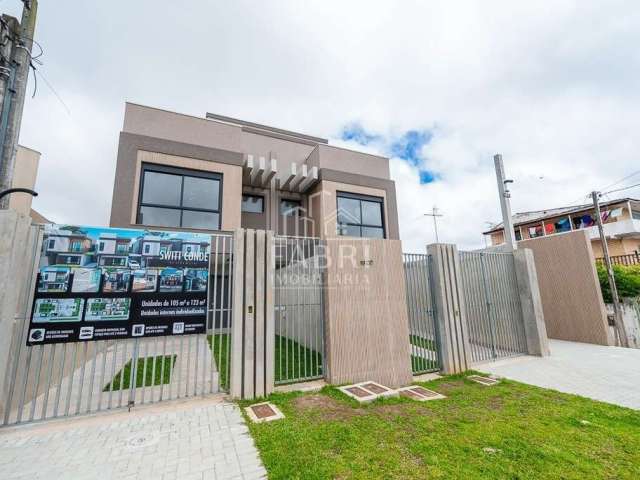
(36, 334)
(178, 327)
(137, 330)
(86, 333)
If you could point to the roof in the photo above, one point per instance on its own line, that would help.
(522, 218)
(37, 217)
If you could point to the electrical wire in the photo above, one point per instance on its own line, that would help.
(621, 189)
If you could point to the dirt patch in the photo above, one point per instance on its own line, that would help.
(328, 407)
(495, 403)
(446, 387)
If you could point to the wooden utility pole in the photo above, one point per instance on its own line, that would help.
(14, 94)
(617, 311)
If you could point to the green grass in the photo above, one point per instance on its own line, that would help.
(146, 377)
(422, 342)
(220, 345)
(291, 358)
(534, 433)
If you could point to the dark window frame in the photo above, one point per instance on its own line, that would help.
(254, 195)
(182, 173)
(298, 203)
(366, 198)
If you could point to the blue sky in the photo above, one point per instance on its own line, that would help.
(407, 146)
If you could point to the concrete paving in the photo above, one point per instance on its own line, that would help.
(203, 438)
(609, 374)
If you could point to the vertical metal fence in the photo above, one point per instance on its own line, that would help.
(421, 310)
(299, 314)
(492, 305)
(59, 380)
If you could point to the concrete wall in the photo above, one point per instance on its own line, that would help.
(24, 175)
(18, 245)
(569, 287)
(366, 320)
(336, 158)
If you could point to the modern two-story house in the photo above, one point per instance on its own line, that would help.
(177, 171)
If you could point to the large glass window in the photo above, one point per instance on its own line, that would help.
(360, 216)
(252, 203)
(174, 197)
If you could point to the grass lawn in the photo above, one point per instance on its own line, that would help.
(294, 361)
(162, 373)
(220, 344)
(510, 430)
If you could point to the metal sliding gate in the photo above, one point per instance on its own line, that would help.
(492, 305)
(299, 313)
(66, 379)
(421, 310)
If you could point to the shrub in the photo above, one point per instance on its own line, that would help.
(627, 281)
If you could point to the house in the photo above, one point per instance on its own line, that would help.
(177, 171)
(112, 251)
(621, 219)
(150, 246)
(25, 172)
(68, 247)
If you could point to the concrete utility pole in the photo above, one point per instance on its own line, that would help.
(434, 213)
(505, 203)
(13, 101)
(617, 311)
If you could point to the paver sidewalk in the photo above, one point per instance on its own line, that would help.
(609, 374)
(204, 438)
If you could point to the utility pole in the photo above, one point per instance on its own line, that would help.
(434, 213)
(505, 203)
(13, 101)
(617, 312)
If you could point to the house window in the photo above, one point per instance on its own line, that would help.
(635, 214)
(175, 197)
(252, 203)
(289, 208)
(101, 247)
(518, 234)
(76, 246)
(147, 248)
(52, 244)
(360, 216)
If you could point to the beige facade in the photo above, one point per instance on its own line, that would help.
(24, 176)
(621, 225)
(284, 171)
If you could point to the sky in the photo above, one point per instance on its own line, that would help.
(439, 87)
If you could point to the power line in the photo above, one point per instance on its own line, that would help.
(622, 189)
(621, 180)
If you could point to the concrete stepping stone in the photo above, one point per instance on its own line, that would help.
(365, 392)
(419, 394)
(486, 381)
(263, 412)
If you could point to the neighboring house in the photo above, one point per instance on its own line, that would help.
(176, 171)
(112, 251)
(25, 172)
(67, 247)
(621, 220)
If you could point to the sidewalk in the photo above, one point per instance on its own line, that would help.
(609, 374)
(203, 438)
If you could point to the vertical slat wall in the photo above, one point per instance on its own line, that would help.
(252, 327)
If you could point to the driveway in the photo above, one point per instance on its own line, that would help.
(609, 374)
(203, 438)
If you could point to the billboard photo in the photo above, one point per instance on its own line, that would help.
(98, 283)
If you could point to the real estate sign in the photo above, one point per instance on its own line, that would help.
(99, 283)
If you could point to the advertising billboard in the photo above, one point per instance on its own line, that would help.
(98, 283)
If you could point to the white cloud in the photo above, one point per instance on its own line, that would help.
(551, 85)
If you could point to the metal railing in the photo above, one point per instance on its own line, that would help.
(421, 310)
(492, 305)
(629, 259)
(67, 379)
(299, 313)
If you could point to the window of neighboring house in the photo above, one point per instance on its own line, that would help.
(562, 225)
(176, 197)
(518, 234)
(101, 247)
(252, 203)
(147, 248)
(75, 246)
(635, 214)
(52, 244)
(121, 248)
(289, 208)
(360, 216)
